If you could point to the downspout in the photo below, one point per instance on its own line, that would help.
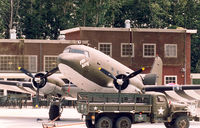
(185, 71)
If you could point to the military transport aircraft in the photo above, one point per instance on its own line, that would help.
(93, 71)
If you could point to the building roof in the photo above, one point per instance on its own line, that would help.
(127, 29)
(42, 41)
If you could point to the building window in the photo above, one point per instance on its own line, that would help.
(170, 50)
(127, 50)
(170, 79)
(149, 50)
(10, 63)
(50, 62)
(105, 48)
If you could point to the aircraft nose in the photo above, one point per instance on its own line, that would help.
(70, 59)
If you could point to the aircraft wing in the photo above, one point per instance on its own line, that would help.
(24, 87)
(17, 83)
(162, 88)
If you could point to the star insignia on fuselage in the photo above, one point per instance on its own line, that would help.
(161, 111)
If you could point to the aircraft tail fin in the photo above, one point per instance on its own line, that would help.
(157, 69)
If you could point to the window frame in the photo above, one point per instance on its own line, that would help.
(44, 62)
(166, 49)
(133, 54)
(105, 43)
(28, 68)
(145, 56)
(175, 76)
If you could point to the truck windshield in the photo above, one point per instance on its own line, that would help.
(161, 99)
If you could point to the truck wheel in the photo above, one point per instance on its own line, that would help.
(123, 122)
(104, 122)
(54, 112)
(181, 122)
(168, 124)
(89, 124)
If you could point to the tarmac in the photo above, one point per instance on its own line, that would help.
(35, 118)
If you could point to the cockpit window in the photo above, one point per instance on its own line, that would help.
(76, 51)
(71, 50)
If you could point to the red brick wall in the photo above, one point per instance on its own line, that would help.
(73, 36)
(172, 66)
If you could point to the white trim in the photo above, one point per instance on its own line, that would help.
(164, 30)
(191, 31)
(175, 76)
(133, 54)
(93, 29)
(166, 48)
(129, 29)
(45, 57)
(105, 43)
(27, 41)
(154, 50)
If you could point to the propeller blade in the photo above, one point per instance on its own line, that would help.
(26, 72)
(37, 97)
(107, 73)
(51, 72)
(134, 74)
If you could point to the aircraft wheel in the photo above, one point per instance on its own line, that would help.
(123, 122)
(54, 112)
(104, 122)
(181, 122)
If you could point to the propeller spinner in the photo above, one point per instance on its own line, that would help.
(121, 81)
(39, 80)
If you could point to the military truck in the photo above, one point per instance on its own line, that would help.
(113, 110)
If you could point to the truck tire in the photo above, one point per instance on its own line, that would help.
(181, 122)
(104, 122)
(89, 124)
(168, 124)
(54, 112)
(123, 122)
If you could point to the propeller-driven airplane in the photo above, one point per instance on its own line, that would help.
(92, 71)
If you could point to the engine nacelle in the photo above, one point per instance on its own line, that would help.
(50, 88)
(150, 79)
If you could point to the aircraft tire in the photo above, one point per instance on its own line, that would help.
(89, 124)
(54, 112)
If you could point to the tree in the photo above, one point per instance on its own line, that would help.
(4, 18)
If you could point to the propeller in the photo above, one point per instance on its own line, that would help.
(121, 81)
(39, 80)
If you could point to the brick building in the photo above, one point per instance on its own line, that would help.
(133, 47)
(33, 55)
(137, 48)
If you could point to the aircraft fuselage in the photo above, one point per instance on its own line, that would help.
(80, 64)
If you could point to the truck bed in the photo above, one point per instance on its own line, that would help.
(110, 102)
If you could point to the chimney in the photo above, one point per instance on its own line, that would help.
(127, 24)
